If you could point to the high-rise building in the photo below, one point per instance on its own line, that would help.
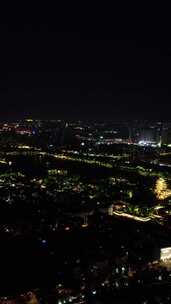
(150, 134)
(166, 135)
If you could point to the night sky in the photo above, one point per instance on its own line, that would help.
(85, 74)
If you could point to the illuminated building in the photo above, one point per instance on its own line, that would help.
(110, 210)
(165, 254)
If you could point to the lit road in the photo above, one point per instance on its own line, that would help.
(62, 157)
(136, 218)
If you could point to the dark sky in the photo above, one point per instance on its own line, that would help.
(85, 74)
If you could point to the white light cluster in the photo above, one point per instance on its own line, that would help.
(147, 143)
